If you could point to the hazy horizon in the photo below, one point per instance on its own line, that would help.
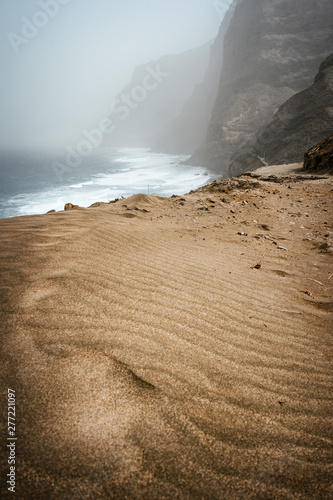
(62, 76)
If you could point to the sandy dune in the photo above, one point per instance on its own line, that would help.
(173, 348)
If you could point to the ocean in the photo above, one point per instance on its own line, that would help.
(36, 182)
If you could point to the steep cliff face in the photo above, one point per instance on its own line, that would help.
(272, 49)
(156, 93)
(189, 129)
(304, 120)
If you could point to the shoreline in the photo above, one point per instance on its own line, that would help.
(174, 347)
(114, 174)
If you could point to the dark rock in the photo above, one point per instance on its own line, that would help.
(186, 132)
(51, 212)
(320, 157)
(272, 50)
(305, 119)
(324, 246)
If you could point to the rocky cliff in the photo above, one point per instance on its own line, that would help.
(189, 129)
(320, 157)
(272, 50)
(304, 120)
(153, 98)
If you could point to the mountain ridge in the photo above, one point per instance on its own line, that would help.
(153, 97)
(302, 121)
(189, 128)
(272, 50)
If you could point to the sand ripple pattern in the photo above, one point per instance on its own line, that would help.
(151, 365)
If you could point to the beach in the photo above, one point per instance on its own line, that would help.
(173, 347)
(35, 182)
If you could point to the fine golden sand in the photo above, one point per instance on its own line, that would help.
(173, 348)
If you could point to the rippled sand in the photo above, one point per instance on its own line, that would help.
(157, 353)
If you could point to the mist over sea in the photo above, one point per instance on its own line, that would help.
(30, 185)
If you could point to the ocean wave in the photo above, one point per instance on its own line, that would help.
(145, 172)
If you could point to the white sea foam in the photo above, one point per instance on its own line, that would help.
(145, 172)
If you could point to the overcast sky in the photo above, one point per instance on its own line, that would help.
(61, 76)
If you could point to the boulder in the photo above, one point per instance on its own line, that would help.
(70, 206)
(320, 157)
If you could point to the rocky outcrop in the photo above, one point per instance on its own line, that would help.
(272, 50)
(303, 120)
(320, 157)
(70, 206)
(153, 98)
(189, 129)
